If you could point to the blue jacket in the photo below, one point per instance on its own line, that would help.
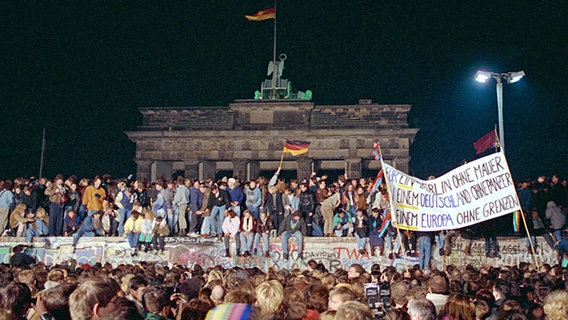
(236, 194)
(6, 198)
(88, 225)
(195, 198)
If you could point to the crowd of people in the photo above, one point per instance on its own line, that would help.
(153, 291)
(249, 212)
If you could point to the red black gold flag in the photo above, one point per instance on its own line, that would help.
(296, 147)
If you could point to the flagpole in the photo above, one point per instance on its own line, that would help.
(42, 154)
(522, 215)
(281, 159)
(525, 223)
(498, 144)
(393, 214)
(275, 70)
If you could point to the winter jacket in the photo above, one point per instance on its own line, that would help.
(286, 225)
(556, 216)
(307, 202)
(132, 225)
(231, 225)
(161, 229)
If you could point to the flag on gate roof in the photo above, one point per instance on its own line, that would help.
(487, 141)
(262, 15)
(296, 147)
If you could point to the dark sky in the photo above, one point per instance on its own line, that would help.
(81, 69)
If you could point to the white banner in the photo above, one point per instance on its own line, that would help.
(477, 191)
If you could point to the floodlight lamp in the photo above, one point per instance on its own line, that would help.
(516, 76)
(482, 76)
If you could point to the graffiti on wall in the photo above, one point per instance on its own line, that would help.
(333, 253)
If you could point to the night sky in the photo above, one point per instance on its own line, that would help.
(81, 69)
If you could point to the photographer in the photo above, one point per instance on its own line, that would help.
(57, 198)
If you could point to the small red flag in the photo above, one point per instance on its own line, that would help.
(262, 15)
(487, 141)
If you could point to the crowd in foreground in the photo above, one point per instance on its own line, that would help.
(249, 212)
(154, 291)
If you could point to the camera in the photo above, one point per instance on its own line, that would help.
(378, 298)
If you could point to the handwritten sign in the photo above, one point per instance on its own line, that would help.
(472, 193)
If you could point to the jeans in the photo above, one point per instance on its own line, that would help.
(425, 247)
(558, 234)
(389, 239)
(40, 230)
(296, 235)
(133, 239)
(533, 239)
(90, 212)
(216, 212)
(352, 211)
(209, 226)
(82, 212)
(246, 242)
(361, 242)
(123, 214)
(173, 218)
(440, 240)
(264, 241)
(341, 232)
(83, 232)
(237, 210)
(255, 212)
(317, 231)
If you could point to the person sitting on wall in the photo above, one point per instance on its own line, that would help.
(293, 226)
(39, 227)
(342, 224)
(91, 226)
(231, 225)
(132, 228)
(160, 231)
(263, 227)
(19, 219)
(71, 223)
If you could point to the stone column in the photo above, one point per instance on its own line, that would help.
(401, 164)
(143, 168)
(191, 170)
(253, 170)
(240, 168)
(207, 169)
(304, 167)
(353, 168)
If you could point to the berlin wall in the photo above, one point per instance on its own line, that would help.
(334, 253)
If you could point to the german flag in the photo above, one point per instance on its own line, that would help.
(296, 147)
(263, 15)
